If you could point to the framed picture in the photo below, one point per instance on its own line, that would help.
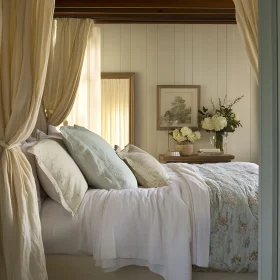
(177, 106)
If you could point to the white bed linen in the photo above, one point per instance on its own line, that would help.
(166, 229)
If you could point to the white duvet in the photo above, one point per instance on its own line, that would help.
(166, 229)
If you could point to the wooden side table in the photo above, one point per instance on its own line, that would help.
(196, 159)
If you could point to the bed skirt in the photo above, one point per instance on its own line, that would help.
(83, 268)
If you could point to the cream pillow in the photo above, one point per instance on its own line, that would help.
(147, 170)
(59, 175)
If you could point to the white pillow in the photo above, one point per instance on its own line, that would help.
(58, 174)
(147, 170)
(41, 194)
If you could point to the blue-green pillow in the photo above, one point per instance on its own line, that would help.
(98, 161)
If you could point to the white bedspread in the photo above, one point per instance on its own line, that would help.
(166, 229)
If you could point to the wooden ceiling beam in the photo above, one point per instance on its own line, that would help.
(227, 4)
(144, 11)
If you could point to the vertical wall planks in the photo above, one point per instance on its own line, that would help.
(166, 71)
(212, 56)
(188, 80)
(125, 57)
(222, 63)
(139, 66)
(238, 83)
(112, 47)
(254, 120)
(152, 81)
(179, 53)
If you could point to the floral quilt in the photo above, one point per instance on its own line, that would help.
(233, 189)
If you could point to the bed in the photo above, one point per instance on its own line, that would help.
(71, 247)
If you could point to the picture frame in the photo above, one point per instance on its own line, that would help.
(177, 106)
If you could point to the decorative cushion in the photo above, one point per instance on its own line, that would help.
(97, 159)
(148, 171)
(58, 174)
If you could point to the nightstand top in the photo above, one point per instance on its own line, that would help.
(196, 158)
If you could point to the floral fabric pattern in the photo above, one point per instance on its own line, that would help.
(233, 189)
(147, 170)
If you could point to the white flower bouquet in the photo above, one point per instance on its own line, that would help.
(220, 120)
(185, 135)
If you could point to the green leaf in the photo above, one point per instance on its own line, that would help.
(204, 109)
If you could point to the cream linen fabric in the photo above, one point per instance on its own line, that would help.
(147, 170)
(115, 111)
(59, 175)
(86, 110)
(65, 66)
(247, 21)
(25, 42)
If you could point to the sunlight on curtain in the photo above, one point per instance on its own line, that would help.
(115, 111)
(70, 37)
(86, 109)
(247, 22)
(25, 45)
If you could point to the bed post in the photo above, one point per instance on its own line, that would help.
(269, 81)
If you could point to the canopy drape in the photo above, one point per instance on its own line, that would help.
(86, 110)
(24, 49)
(247, 21)
(65, 66)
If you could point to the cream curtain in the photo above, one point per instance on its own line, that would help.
(25, 42)
(65, 66)
(115, 111)
(86, 110)
(247, 21)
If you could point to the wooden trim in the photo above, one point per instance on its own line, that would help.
(159, 87)
(121, 11)
(131, 77)
(196, 159)
(218, 4)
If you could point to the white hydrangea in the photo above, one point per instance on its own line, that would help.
(207, 124)
(197, 135)
(235, 117)
(192, 137)
(175, 133)
(186, 131)
(180, 138)
(216, 123)
(219, 122)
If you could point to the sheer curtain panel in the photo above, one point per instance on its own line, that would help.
(115, 111)
(86, 110)
(24, 49)
(247, 21)
(65, 66)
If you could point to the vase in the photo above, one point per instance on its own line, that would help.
(219, 140)
(185, 149)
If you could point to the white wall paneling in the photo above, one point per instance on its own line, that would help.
(183, 54)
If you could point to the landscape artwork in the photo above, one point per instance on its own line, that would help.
(177, 106)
